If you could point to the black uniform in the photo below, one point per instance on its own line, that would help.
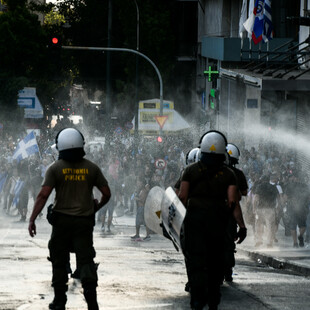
(232, 229)
(204, 230)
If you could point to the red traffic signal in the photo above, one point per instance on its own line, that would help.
(55, 40)
(159, 139)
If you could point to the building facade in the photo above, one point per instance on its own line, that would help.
(255, 93)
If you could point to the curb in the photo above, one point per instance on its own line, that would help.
(277, 263)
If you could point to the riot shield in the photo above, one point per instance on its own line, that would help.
(152, 209)
(172, 214)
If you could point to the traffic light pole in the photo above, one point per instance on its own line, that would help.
(130, 51)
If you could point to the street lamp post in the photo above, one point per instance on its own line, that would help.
(136, 106)
(138, 21)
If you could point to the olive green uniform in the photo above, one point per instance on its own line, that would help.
(204, 230)
(74, 219)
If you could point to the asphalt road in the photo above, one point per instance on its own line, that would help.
(134, 275)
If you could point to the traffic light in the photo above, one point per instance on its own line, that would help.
(213, 97)
(159, 139)
(55, 42)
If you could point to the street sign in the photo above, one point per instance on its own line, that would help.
(26, 102)
(161, 120)
(129, 125)
(118, 130)
(160, 163)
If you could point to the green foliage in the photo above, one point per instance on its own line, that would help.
(25, 59)
(54, 18)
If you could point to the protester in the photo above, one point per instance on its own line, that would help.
(265, 201)
(298, 198)
(140, 200)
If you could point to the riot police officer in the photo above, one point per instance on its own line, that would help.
(209, 191)
(73, 215)
(234, 155)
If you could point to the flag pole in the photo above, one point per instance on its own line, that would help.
(35, 136)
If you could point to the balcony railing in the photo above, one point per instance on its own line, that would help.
(276, 58)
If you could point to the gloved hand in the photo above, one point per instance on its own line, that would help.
(241, 234)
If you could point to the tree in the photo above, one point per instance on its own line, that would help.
(25, 59)
(89, 20)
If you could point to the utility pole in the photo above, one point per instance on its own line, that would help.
(136, 105)
(108, 72)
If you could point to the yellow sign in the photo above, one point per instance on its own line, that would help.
(149, 117)
(161, 120)
(155, 104)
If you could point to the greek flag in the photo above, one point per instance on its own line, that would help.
(268, 27)
(3, 178)
(17, 190)
(262, 28)
(26, 147)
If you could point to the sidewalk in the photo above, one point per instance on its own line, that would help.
(281, 256)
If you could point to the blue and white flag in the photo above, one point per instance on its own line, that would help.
(26, 147)
(268, 27)
(17, 190)
(3, 178)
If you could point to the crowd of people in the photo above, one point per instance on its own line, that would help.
(279, 194)
(129, 168)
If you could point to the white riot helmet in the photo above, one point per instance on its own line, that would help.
(69, 138)
(198, 155)
(213, 142)
(233, 151)
(191, 156)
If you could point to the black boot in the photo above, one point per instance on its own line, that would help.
(91, 298)
(59, 302)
